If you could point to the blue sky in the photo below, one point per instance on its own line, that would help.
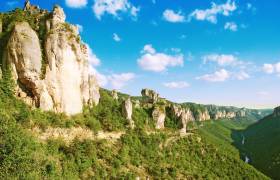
(224, 52)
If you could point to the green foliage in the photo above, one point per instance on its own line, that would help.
(262, 145)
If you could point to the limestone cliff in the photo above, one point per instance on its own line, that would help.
(159, 116)
(127, 108)
(50, 73)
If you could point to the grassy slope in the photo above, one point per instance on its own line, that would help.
(263, 147)
(135, 154)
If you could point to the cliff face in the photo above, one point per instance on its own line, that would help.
(52, 75)
(276, 112)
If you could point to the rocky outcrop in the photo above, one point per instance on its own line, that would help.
(230, 115)
(159, 116)
(220, 115)
(58, 81)
(223, 114)
(114, 94)
(136, 104)
(241, 113)
(1, 25)
(203, 115)
(149, 96)
(127, 108)
(276, 112)
(183, 115)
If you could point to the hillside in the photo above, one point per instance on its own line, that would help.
(262, 145)
(143, 152)
(57, 123)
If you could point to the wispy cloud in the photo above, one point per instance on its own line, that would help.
(222, 59)
(218, 76)
(176, 85)
(212, 13)
(116, 37)
(232, 26)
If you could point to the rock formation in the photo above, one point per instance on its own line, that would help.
(220, 115)
(1, 26)
(230, 115)
(114, 94)
(149, 96)
(53, 76)
(276, 112)
(127, 112)
(159, 116)
(203, 115)
(241, 113)
(183, 115)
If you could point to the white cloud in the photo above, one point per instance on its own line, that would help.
(118, 81)
(268, 68)
(114, 7)
(174, 17)
(242, 75)
(232, 26)
(76, 3)
(158, 62)
(272, 68)
(101, 78)
(176, 85)
(148, 48)
(211, 14)
(80, 28)
(221, 59)
(218, 76)
(116, 37)
(93, 59)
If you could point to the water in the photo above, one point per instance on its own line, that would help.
(247, 160)
(243, 139)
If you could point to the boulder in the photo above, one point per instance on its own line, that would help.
(159, 115)
(127, 112)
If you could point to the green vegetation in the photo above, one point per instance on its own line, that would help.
(161, 155)
(205, 153)
(262, 145)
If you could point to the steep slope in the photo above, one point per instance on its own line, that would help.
(262, 145)
(142, 152)
(45, 58)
